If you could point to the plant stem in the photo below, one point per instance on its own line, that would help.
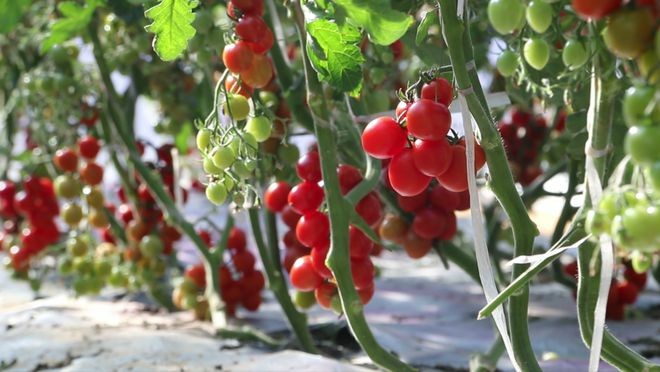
(339, 210)
(502, 183)
(297, 320)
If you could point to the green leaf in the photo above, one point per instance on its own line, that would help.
(384, 24)
(75, 18)
(172, 24)
(335, 54)
(430, 18)
(12, 12)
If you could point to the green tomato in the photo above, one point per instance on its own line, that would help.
(187, 286)
(304, 300)
(574, 54)
(641, 262)
(151, 246)
(539, 16)
(65, 266)
(641, 144)
(229, 183)
(81, 286)
(636, 106)
(259, 127)
(269, 99)
(653, 175)
(83, 265)
(597, 223)
(71, 214)
(67, 186)
(209, 167)
(223, 157)
(203, 139)
(607, 205)
(189, 301)
(216, 193)
(507, 63)
(250, 142)
(641, 226)
(506, 15)
(103, 267)
(288, 153)
(76, 247)
(118, 278)
(537, 53)
(647, 64)
(241, 170)
(236, 106)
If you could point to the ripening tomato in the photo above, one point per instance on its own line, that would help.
(260, 73)
(428, 120)
(250, 28)
(66, 160)
(197, 274)
(91, 173)
(404, 176)
(233, 85)
(429, 223)
(303, 275)
(595, 9)
(264, 43)
(438, 90)
(383, 138)
(237, 57)
(415, 246)
(629, 32)
(324, 294)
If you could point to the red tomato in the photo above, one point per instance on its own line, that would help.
(429, 223)
(444, 199)
(308, 167)
(628, 292)
(319, 253)
(324, 294)
(595, 9)
(313, 229)
(411, 204)
(404, 176)
(260, 73)
(66, 160)
(383, 138)
(402, 109)
(236, 240)
(88, 147)
(363, 272)
(432, 157)
(91, 173)
(237, 57)
(439, 90)
(370, 209)
(276, 195)
(305, 197)
(303, 275)
(197, 274)
(428, 120)
(349, 177)
(359, 244)
(366, 294)
(290, 217)
(243, 260)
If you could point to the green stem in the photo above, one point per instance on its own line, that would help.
(339, 210)
(461, 258)
(273, 240)
(567, 212)
(502, 184)
(297, 320)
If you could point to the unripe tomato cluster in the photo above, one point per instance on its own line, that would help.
(624, 290)
(29, 217)
(240, 282)
(308, 242)
(523, 134)
(417, 146)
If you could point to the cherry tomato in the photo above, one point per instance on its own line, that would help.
(359, 244)
(243, 260)
(349, 177)
(233, 85)
(404, 176)
(455, 178)
(305, 197)
(393, 228)
(411, 204)
(324, 294)
(363, 272)
(237, 57)
(88, 147)
(505, 15)
(438, 90)
(507, 63)
(66, 160)
(91, 173)
(429, 223)
(539, 15)
(415, 246)
(595, 9)
(260, 73)
(313, 228)
(237, 241)
(574, 54)
(444, 199)
(303, 275)
(629, 32)
(290, 217)
(197, 274)
(370, 209)
(432, 158)
(319, 254)
(366, 294)
(641, 144)
(537, 53)
(275, 197)
(383, 138)
(308, 167)
(428, 120)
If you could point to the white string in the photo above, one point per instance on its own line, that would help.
(595, 189)
(537, 258)
(481, 250)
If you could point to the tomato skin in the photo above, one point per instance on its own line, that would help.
(415, 246)
(349, 177)
(402, 109)
(303, 275)
(432, 158)
(264, 43)
(260, 73)
(429, 223)
(254, 7)
(319, 254)
(595, 9)
(250, 28)
(444, 199)
(359, 244)
(439, 90)
(88, 147)
(539, 15)
(537, 53)
(308, 167)
(91, 173)
(243, 261)
(324, 294)
(305, 197)
(237, 241)
(505, 15)
(393, 228)
(628, 292)
(290, 217)
(641, 144)
(366, 294)
(404, 177)
(237, 57)
(197, 274)
(629, 32)
(507, 63)
(276, 196)
(313, 229)
(411, 204)
(383, 138)
(455, 178)
(363, 272)
(370, 209)
(574, 55)
(66, 160)
(428, 120)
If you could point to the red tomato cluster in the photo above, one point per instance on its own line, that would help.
(523, 135)
(416, 143)
(240, 282)
(67, 160)
(247, 56)
(622, 291)
(38, 205)
(308, 241)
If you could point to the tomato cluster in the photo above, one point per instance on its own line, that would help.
(240, 282)
(623, 291)
(36, 204)
(417, 146)
(523, 134)
(308, 242)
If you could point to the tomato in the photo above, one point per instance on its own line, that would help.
(216, 193)
(574, 55)
(444, 199)
(641, 144)
(313, 228)
(404, 176)
(237, 57)
(359, 244)
(595, 9)
(370, 209)
(233, 85)
(97, 218)
(383, 138)
(308, 167)
(236, 107)
(71, 214)
(432, 158)
(638, 279)
(275, 196)
(349, 177)
(428, 120)
(306, 197)
(243, 260)
(640, 227)
(303, 275)
(393, 228)
(91, 173)
(646, 64)
(260, 73)
(88, 147)
(629, 32)
(94, 197)
(67, 186)
(223, 157)
(628, 292)
(197, 274)
(479, 153)
(259, 127)
(363, 272)
(507, 63)
(366, 294)
(251, 7)
(76, 247)
(415, 246)
(264, 43)
(450, 228)
(304, 300)
(537, 53)
(411, 204)
(636, 103)
(319, 253)
(151, 246)
(439, 90)
(429, 223)
(539, 15)
(641, 262)
(455, 178)
(402, 109)
(324, 294)
(66, 160)
(290, 217)
(505, 15)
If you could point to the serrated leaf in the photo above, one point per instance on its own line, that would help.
(172, 25)
(335, 55)
(75, 18)
(383, 24)
(430, 18)
(12, 12)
